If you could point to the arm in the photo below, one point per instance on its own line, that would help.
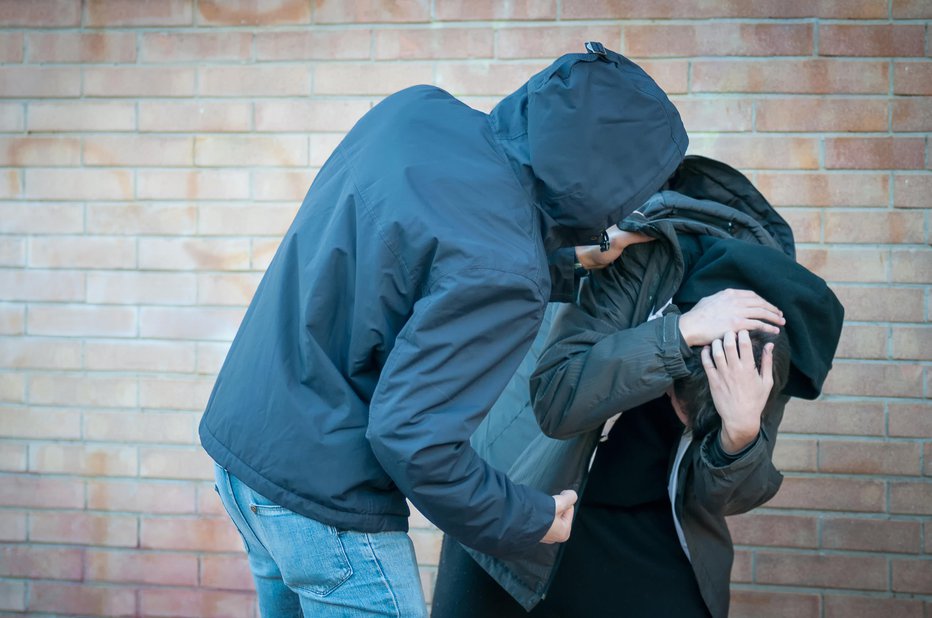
(452, 359)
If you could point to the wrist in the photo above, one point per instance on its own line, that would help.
(686, 330)
(735, 439)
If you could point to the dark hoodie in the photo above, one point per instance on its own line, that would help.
(410, 286)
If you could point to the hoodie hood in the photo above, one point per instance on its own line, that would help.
(591, 137)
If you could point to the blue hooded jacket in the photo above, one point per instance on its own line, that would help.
(410, 286)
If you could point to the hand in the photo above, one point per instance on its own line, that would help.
(592, 257)
(728, 310)
(562, 518)
(739, 391)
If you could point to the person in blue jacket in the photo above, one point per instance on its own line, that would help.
(402, 298)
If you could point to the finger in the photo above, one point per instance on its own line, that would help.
(758, 301)
(565, 500)
(745, 349)
(766, 366)
(730, 343)
(710, 371)
(761, 313)
(758, 325)
(718, 354)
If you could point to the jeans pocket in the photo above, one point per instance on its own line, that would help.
(310, 554)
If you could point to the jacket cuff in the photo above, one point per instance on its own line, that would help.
(743, 459)
(564, 276)
(673, 349)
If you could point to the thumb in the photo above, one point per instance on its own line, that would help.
(565, 500)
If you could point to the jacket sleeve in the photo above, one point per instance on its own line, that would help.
(595, 366)
(450, 362)
(564, 275)
(746, 483)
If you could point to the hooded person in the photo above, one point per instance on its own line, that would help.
(399, 303)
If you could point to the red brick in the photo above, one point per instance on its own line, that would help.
(29, 491)
(378, 78)
(174, 393)
(81, 599)
(262, 253)
(141, 497)
(805, 222)
(13, 458)
(335, 11)
(11, 184)
(266, 151)
(454, 10)
(210, 357)
(264, 220)
(324, 115)
(86, 460)
(912, 78)
(82, 47)
(715, 114)
(148, 288)
(835, 189)
(912, 114)
(145, 427)
(228, 572)
(839, 265)
(199, 46)
(855, 572)
(208, 502)
(135, 150)
(912, 265)
(48, 151)
(36, 353)
(81, 320)
(911, 9)
(874, 153)
(141, 219)
(752, 152)
(876, 40)
(275, 185)
(78, 184)
(82, 252)
(190, 323)
(887, 304)
(41, 285)
(236, 289)
(874, 379)
(12, 388)
(821, 114)
(138, 82)
(419, 44)
(693, 9)
(912, 191)
(12, 117)
(13, 596)
(40, 562)
(221, 81)
(194, 254)
(887, 458)
(12, 251)
(910, 420)
(196, 603)
(11, 47)
(82, 116)
(550, 42)
(912, 344)
(849, 606)
(142, 567)
(742, 568)
(911, 498)
(761, 604)
(175, 463)
(484, 78)
(225, 184)
(792, 454)
(863, 342)
(316, 44)
(774, 530)
(912, 576)
(201, 116)
(252, 13)
(426, 545)
(718, 39)
(41, 13)
(12, 318)
(671, 75)
(815, 76)
(899, 227)
(39, 82)
(139, 356)
(830, 494)
(107, 392)
(878, 535)
(190, 534)
(83, 528)
(132, 13)
(19, 422)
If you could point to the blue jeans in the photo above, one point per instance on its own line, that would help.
(306, 568)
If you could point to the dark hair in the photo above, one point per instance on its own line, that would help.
(694, 396)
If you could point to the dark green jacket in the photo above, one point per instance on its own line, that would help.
(604, 355)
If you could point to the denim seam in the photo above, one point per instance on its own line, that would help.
(378, 565)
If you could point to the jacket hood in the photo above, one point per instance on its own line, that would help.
(590, 137)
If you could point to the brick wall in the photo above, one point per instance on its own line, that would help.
(152, 153)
